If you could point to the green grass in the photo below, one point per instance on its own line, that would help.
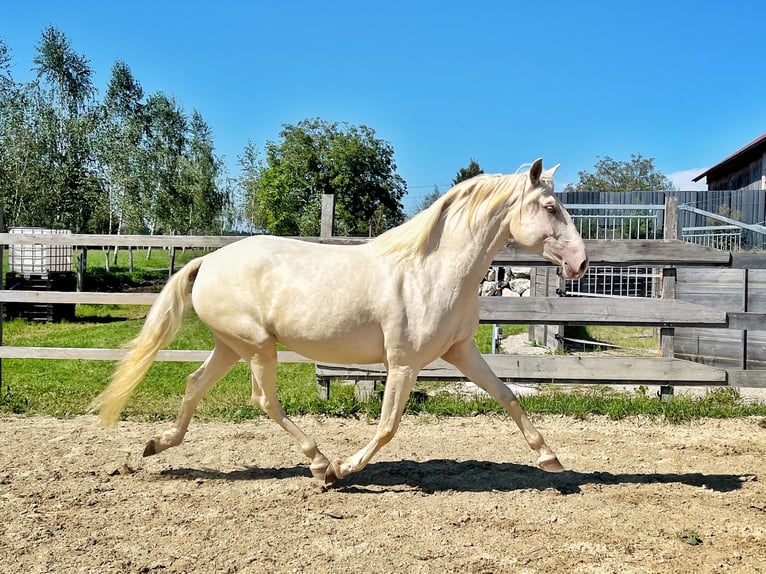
(150, 268)
(63, 388)
(639, 339)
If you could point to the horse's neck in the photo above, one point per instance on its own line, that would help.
(464, 255)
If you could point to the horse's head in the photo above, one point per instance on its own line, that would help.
(542, 225)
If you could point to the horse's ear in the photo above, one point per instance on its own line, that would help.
(536, 171)
(549, 172)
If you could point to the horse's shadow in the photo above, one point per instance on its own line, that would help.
(440, 475)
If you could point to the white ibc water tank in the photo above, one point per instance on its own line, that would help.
(39, 258)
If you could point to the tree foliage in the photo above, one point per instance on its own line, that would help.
(637, 174)
(464, 173)
(313, 158)
(122, 164)
(46, 128)
(119, 149)
(137, 163)
(428, 200)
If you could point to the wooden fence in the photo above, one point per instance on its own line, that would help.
(666, 314)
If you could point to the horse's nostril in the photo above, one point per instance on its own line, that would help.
(583, 266)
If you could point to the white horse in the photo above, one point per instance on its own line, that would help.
(413, 299)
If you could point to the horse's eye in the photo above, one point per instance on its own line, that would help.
(550, 208)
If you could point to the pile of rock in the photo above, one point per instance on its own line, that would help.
(505, 282)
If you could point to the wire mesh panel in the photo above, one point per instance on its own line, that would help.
(723, 237)
(607, 221)
(616, 282)
(617, 221)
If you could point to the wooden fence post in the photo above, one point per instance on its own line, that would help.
(532, 329)
(172, 264)
(669, 278)
(82, 266)
(667, 334)
(328, 215)
(670, 224)
(745, 308)
(2, 286)
(561, 329)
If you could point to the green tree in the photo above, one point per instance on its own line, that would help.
(67, 192)
(637, 174)
(200, 172)
(6, 78)
(164, 202)
(13, 134)
(46, 161)
(251, 166)
(464, 173)
(121, 165)
(428, 200)
(313, 158)
(119, 148)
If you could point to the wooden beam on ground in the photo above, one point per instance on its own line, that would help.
(555, 369)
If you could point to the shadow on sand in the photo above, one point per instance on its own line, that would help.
(440, 475)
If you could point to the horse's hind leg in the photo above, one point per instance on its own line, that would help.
(264, 381)
(197, 384)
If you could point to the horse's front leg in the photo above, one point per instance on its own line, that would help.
(466, 357)
(399, 383)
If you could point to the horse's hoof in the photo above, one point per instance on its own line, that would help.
(550, 464)
(319, 471)
(332, 474)
(150, 449)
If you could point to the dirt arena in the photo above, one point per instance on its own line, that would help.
(452, 495)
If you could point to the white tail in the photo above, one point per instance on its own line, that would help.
(162, 323)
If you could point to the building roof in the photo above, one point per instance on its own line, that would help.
(760, 140)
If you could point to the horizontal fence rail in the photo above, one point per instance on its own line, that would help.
(532, 310)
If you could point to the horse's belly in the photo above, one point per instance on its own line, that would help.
(364, 345)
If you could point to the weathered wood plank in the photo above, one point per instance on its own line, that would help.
(526, 310)
(98, 241)
(600, 252)
(67, 297)
(651, 252)
(748, 260)
(598, 311)
(96, 354)
(754, 379)
(558, 369)
(188, 241)
(751, 321)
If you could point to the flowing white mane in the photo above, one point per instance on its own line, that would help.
(473, 199)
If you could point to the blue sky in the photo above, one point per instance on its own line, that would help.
(503, 82)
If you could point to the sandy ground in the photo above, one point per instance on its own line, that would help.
(451, 495)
